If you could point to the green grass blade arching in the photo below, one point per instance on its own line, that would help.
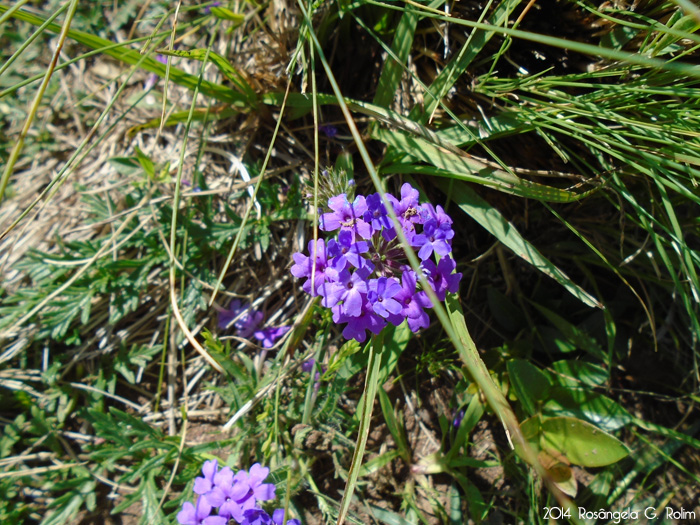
(19, 145)
(476, 41)
(132, 57)
(492, 220)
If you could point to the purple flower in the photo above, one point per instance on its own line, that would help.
(381, 295)
(248, 323)
(304, 265)
(346, 215)
(236, 496)
(260, 517)
(268, 336)
(407, 208)
(359, 278)
(441, 277)
(227, 494)
(344, 251)
(459, 416)
(357, 326)
(432, 239)
(278, 518)
(228, 316)
(199, 515)
(412, 304)
(253, 479)
(349, 288)
(153, 78)
(207, 9)
(308, 365)
(205, 483)
(328, 130)
(256, 517)
(376, 214)
(244, 320)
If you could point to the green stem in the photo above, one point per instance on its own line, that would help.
(366, 404)
(497, 401)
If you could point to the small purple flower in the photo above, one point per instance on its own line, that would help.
(328, 130)
(256, 517)
(441, 277)
(244, 320)
(305, 264)
(268, 336)
(459, 416)
(260, 517)
(357, 326)
(344, 251)
(438, 214)
(228, 316)
(199, 514)
(278, 518)
(308, 365)
(205, 483)
(248, 323)
(349, 288)
(253, 479)
(412, 304)
(153, 78)
(207, 9)
(407, 208)
(376, 214)
(432, 239)
(346, 216)
(227, 493)
(381, 296)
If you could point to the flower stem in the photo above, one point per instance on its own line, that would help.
(366, 404)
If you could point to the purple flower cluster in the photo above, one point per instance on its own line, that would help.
(362, 274)
(236, 496)
(246, 321)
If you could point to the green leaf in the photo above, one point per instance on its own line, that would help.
(392, 71)
(505, 312)
(447, 161)
(150, 499)
(582, 443)
(573, 334)
(577, 373)
(531, 385)
(226, 68)
(226, 14)
(145, 162)
(492, 220)
(340, 358)
(219, 112)
(591, 406)
(132, 56)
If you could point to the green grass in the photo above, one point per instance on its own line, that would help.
(569, 161)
